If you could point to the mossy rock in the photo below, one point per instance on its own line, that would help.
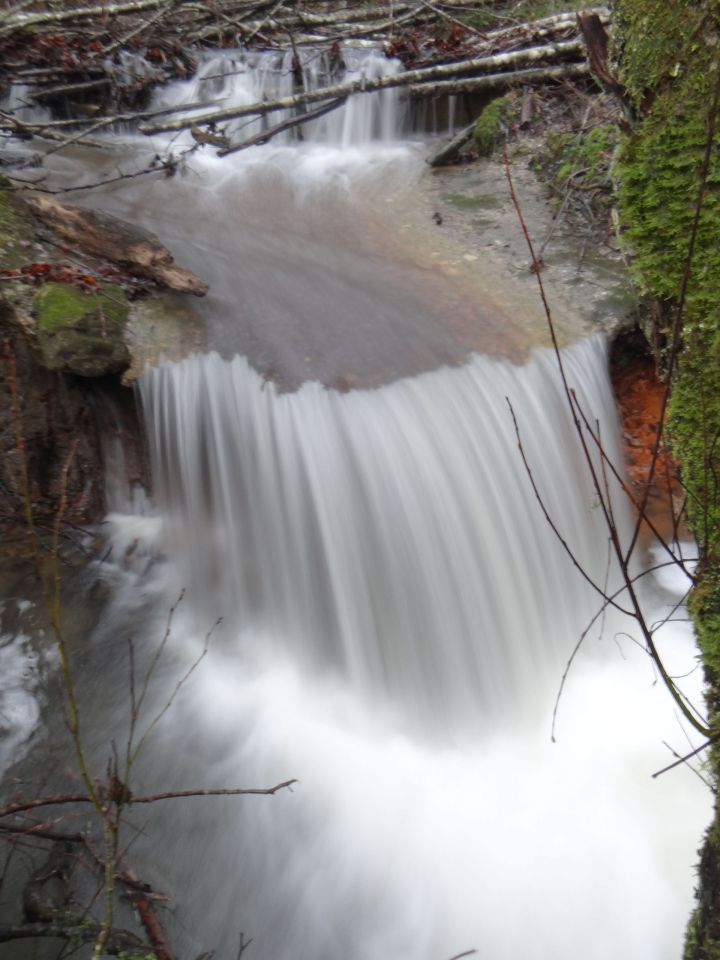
(489, 125)
(17, 228)
(81, 333)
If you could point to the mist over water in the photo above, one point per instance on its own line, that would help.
(397, 613)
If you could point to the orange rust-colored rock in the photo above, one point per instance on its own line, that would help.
(639, 393)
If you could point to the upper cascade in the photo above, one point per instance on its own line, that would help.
(239, 78)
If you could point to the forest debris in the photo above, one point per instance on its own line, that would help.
(76, 930)
(526, 110)
(109, 238)
(23, 20)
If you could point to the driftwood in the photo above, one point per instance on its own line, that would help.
(138, 251)
(449, 151)
(501, 81)
(22, 20)
(596, 40)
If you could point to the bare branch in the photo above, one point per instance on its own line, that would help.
(271, 132)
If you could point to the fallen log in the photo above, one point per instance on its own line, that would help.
(552, 51)
(22, 20)
(108, 238)
(48, 94)
(500, 81)
(449, 151)
(25, 131)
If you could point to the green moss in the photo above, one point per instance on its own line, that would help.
(81, 333)
(670, 62)
(659, 188)
(63, 305)
(656, 42)
(17, 229)
(587, 154)
(489, 125)
(695, 427)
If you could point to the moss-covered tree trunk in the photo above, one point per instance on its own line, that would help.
(668, 58)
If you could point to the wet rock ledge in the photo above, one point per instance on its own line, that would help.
(84, 300)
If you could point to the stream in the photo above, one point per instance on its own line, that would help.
(336, 476)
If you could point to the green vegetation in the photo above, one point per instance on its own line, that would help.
(576, 164)
(489, 125)
(589, 152)
(659, 190)
(695, 426)
(655, 42)
(670, 64)
(79, 332)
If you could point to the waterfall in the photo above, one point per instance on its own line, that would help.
(238, 78)
(392, 534)
(398, 616)
(397, 613)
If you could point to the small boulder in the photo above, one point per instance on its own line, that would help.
(81, 333)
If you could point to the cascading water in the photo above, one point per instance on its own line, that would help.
(398, 615)
(397, 612)
(385, 534)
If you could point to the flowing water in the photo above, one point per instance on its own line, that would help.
(397, 613)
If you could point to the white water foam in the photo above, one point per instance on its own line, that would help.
(398, 618)
(21, 688)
